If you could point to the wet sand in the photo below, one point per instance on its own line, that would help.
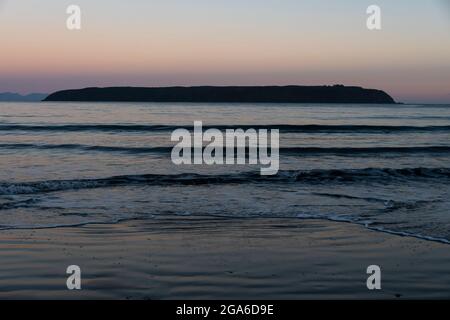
(214, 258)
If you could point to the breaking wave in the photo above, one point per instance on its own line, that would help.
(287, 176)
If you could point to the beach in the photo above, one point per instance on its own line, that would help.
(217, 258)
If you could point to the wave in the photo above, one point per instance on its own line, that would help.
(349, 197)
(17, 204)
(288, 176)
(365, 150)
(284, 150)
(81, 147)
(313, 128)
(389, 204)
(371, 226)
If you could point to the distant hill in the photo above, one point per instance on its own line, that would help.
(277, 94)
(8, 96)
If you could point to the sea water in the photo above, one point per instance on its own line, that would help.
(383, 167)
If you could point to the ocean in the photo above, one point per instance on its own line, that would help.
(381, 167)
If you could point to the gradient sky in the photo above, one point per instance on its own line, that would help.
(227, 42)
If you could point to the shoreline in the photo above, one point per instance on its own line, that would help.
(219, 258)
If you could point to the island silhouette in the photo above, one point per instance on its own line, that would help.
(275, 94)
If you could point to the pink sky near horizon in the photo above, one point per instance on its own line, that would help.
(227, 43)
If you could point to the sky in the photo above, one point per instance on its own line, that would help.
(227, 42)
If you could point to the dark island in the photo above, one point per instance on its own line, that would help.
(276, 94)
